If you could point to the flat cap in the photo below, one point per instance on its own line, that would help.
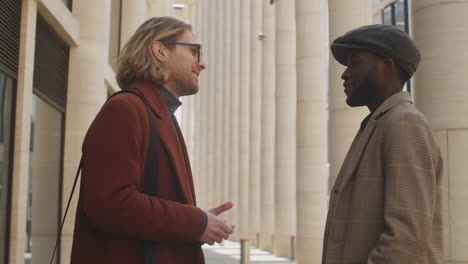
(385, 40)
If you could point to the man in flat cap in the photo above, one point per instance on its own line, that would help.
(386, 204)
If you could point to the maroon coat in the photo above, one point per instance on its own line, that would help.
(113, 215)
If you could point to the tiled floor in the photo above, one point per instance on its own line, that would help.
(229, 253)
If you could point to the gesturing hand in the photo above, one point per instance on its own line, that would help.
(217, 229)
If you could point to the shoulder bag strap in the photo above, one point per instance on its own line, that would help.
(149, 184)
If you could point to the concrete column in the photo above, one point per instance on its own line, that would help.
(197, 115)
(285, 142)
(203, 94)
(86, 94)
(218, 92)
(244, 119)
(227, 77)
(255, 124)
(22, 132)
(440, 30)
(235, 93)
(133, 15)
(344, 121)
(312, 169)
(157, 8)
(211, 55)
(267, 200)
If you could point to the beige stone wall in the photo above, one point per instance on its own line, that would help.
(440, 30)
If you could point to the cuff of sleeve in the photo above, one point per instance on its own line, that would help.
(206, 221)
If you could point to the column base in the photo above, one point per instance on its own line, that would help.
(254, 239)
(282, 246)
(245, 251)
(266, 241)
(309, 249)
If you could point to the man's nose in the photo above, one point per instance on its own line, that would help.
(202, 65)
(345, 75)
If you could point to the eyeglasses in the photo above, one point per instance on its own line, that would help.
(199, 47)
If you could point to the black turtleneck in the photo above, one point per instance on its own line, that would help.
(171, 100)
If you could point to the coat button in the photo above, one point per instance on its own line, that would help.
(335, 191)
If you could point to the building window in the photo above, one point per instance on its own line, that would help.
(10, 18)
(45, 167)
(7, 89)
(46, 143)
(68, 3)
(395, 13)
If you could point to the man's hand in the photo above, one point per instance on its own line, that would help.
(216, 228)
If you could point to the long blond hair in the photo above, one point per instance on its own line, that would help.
(136, 60)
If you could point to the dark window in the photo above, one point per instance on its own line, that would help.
(10, 16)
(7, 90)
(396, 13)
(46, 143)
(50, 66)
(68, 3)
(10, 20)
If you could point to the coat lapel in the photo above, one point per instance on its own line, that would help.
(169, 139)
(169, 136)
(362, 138)
(354, 156)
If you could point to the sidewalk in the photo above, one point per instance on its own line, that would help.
(229, 253)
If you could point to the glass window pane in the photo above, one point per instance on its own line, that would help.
(68, 3)
(376, 3)
(387, 15)
(7, 86)
(45, 178)
(378, 18)
(400, 14)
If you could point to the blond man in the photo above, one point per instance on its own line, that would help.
(116, 220)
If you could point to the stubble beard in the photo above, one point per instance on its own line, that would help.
(361, 95)
(185, 84)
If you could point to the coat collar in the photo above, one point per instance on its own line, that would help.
(153, 97)
(362, 138)
(170, 137)
(390, 103)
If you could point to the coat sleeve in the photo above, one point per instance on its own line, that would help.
(411, 164)
(112, 175)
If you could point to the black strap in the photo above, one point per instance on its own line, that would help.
(66, 211)
(149, 182)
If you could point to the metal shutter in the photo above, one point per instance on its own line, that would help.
(10, 20)
(50, 66)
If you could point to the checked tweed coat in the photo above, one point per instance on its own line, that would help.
(386, 204)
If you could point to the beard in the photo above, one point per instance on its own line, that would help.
(362, 93)
(184, 83)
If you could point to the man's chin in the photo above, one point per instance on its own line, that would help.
(352, 102)
(192, 91)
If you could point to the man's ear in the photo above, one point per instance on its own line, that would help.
(389, 65)
(159, 51)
